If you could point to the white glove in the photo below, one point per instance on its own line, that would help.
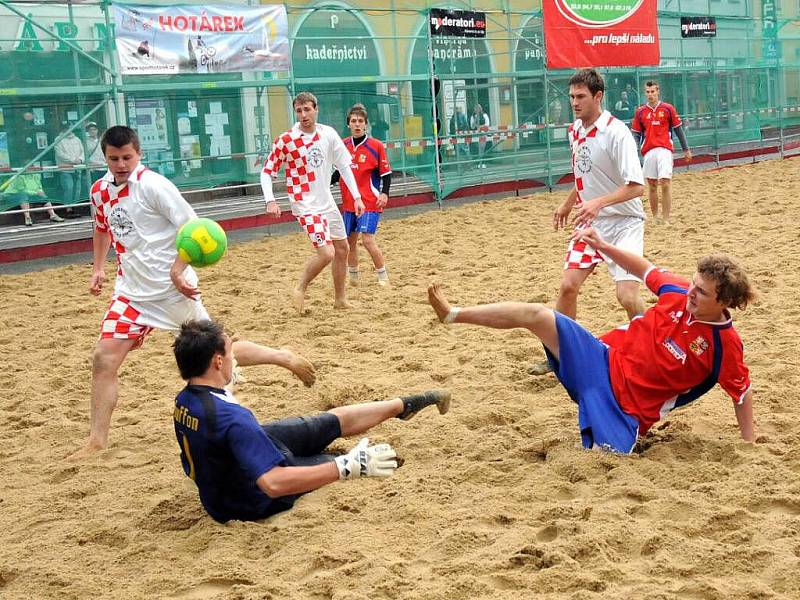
(367, 461)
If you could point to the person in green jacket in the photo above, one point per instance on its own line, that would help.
(25, 188)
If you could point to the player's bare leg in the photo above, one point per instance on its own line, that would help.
(108, 356)
(666, 198)
(567, 304)
(571, 283)
(375, 253)
(629, 298)
(652, 196)
(313, 267)
(249, 353)
(339, 269)
(352, 259)
(536, 318)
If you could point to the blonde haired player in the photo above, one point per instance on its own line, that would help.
(310, 150)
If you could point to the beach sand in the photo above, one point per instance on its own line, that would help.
(495, 499)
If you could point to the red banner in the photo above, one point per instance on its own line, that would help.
(592, 33)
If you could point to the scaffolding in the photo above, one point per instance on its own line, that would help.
(737, 92)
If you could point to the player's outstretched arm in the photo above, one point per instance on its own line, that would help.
(744, 416)
(632, 263)
(249, 353)
(283, 481)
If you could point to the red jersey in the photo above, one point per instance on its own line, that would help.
(656, 125)
(369, 165)
(665, 359)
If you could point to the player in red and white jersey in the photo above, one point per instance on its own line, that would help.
(633, 376)
(139, 212)
(373, 176)
(310, 151)
(654, 124)
(607, 194)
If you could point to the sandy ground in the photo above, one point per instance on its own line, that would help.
(495, 499)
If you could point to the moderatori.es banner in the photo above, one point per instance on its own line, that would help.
(201, 39)
(616, 33)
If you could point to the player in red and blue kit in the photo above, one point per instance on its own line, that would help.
(633, 376)
(373, 176)
(248, 471)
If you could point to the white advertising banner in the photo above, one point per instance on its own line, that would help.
(158, 40)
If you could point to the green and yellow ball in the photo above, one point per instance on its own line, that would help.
(201, 242)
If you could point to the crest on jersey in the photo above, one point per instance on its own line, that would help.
(120, 222)
(583, 159)
(362, 158)
(315, 158)
(699, 345)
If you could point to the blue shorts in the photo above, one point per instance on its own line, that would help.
(582, 368)
(366, 223)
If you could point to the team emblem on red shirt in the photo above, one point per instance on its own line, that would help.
(699, 345)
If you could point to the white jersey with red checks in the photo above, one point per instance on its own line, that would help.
(604, 158)
(666, 359)
(142, 218)
(309, 159)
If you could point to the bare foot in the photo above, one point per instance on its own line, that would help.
(342, 304)
(299, 300)
(301, 367)
(87, 451)
(437, 300)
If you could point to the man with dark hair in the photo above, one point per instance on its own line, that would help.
(654, 123)
(607, 195)
(373, 176)
(139, 212)
(311, 151)
(247, 471)
(628, 379)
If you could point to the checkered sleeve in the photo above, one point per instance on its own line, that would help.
(275, 159)
(100, 223)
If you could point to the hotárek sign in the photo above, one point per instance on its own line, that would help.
(457, 23)
(157, 40)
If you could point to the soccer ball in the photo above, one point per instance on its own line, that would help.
(201, 242)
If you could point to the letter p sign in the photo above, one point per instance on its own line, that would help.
(334, 21)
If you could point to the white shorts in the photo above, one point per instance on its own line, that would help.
(626, 233)
(322, 227)
(657, 164)
(131, 320)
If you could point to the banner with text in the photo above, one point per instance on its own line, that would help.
(698, 27)
(586, 33)
(457, 23)
(158, 40)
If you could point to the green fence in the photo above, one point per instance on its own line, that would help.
(58, 72)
